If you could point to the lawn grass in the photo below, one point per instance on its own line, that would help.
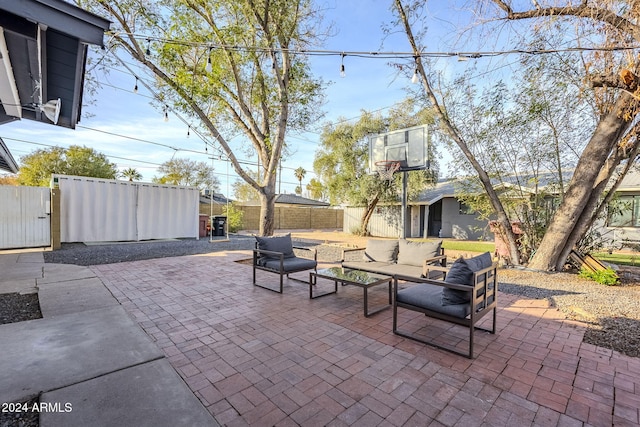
(632, 259)
(468, 246)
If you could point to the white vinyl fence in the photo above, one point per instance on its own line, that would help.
(24, 217)
(103, 210)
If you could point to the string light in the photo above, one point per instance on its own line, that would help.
(379, 54)
(414, 78)
(342, 72)
(166, 113)
(188, 131)
(148, 51)
(209, 67)
(135, 88)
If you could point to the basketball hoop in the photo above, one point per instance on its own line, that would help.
(386, 169)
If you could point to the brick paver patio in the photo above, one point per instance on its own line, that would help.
(255, 357)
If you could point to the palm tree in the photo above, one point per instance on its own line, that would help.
(300, 173)
(132, 174)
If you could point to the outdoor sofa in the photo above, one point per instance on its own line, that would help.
(276, 255)
(396, 257)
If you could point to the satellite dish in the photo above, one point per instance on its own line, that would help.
(52, 110)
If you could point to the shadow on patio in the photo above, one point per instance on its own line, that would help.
(254, 357)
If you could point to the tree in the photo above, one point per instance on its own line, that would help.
(36, 168)
(614, 139)
(316, 189)
(188, 172)
(299, 173)
(8, 179)
(230, 66)
(131, 174)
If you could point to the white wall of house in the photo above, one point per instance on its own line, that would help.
(97, 210)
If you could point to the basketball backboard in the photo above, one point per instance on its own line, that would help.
(408, 146)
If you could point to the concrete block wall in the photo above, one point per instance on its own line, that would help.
(286, 217)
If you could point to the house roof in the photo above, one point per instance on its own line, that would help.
(218, 199)
(7, 162)
(43, 50)
(293, 199)
(526, 183)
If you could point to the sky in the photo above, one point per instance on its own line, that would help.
(132, 133)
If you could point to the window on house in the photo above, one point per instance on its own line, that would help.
(465, 209)
(624, 212)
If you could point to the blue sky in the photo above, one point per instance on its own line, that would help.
(132, 133)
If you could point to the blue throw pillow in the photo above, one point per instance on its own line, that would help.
(281, 244)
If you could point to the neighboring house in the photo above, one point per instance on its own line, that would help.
(623, 221)
(291, 200)
(437, 212)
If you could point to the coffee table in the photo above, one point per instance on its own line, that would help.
(346, 276)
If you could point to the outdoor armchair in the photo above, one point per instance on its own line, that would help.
(467, 293)
(276, 255)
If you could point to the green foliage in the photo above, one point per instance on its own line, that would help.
(36, 168)
(234, 217)
(605, 277)
(188, 172)
(131, 174)
(316, 189)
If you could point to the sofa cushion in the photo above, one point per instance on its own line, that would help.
(430, 297)
(461, 273)
(381, 250)
(414, 253)
(372, 266)
(289, 265)
(281, 244)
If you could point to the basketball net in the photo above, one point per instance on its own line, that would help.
(386, 169)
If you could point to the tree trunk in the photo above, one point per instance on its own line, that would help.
(556, 245)
(503, 218)
(366, 215)
(267, 212)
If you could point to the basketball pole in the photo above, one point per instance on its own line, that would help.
(403, 216)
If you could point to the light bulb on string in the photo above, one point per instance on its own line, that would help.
(135, 88)
(148, 51)
(166, 113)
(189, 131)
(414, 78)
(342, 72)
(209, 66)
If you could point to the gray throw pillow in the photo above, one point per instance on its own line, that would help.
(381, 250)
(461, 273)
(414, 253)
(281, 244)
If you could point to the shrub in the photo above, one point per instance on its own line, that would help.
(605, 277)
(234, 217)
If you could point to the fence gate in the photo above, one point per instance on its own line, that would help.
(24, 217)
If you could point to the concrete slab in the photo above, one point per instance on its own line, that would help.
(64, 272)
(50, 353)
(23, 286)
(73, 296)
(151, 394)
